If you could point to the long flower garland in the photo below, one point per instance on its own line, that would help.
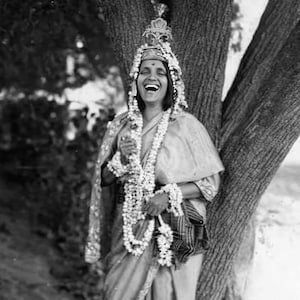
(140, 185)
(139, 188)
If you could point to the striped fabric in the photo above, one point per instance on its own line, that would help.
(190, 234)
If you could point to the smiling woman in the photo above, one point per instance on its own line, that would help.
(164, 169)
(152, 82)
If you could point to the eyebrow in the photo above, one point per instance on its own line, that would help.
(158, 69)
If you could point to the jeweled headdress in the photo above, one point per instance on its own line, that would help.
(157, 46)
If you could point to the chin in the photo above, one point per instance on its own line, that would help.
(152, 102)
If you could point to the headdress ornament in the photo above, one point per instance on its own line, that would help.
(157, 38)
(158, 32)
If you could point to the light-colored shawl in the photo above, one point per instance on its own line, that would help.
(187, 154)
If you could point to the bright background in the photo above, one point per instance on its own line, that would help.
(276, 267)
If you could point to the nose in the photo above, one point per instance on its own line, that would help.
(152, 76)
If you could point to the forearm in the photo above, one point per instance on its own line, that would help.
(189, 190)
(207, 186)
(114, 169)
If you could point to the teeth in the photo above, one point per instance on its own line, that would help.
(151, 87)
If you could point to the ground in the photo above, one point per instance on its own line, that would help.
(28, 261)
(25, 266)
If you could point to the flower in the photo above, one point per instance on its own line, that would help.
(140, 188)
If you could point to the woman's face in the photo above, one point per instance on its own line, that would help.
(152, 81)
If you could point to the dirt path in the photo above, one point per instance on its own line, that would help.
(25, 263)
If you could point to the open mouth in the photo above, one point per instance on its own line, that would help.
(151, 87)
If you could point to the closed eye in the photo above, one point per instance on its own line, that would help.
(144, 72)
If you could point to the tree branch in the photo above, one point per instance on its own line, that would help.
(278, 20)
(251, 158)
(201, 31)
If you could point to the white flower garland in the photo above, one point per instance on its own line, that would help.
(164, 242)
(141, 182)
(116, 167)
(140, 187)
(175, 198)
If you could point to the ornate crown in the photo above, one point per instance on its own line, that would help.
(155, 35)
(157, 32)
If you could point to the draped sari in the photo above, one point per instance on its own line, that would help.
(186, 155)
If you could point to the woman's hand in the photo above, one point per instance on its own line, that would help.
(127, 147)
(157, 204)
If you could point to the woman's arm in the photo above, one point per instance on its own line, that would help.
(207, 186)
(126, 147)
(189, 190)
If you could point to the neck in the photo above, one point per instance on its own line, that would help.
(150, 112)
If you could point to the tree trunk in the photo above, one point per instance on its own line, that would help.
(279, 18)
(126, 21)
(251, 157)
(202, 30)
(261, 114)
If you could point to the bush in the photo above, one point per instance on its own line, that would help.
(54, 172)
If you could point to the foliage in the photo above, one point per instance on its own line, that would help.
(37, 37)
(54, 173)
(236, 28)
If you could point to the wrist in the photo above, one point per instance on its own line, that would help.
(174, 197)
(116, 166)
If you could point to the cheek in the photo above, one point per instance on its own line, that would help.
(139, 83)
(165, 86)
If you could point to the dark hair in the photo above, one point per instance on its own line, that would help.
(168, 100)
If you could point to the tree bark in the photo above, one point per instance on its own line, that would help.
(275, 26)
(251, 158)
(201, 31)
(239, 104)
(125, 22)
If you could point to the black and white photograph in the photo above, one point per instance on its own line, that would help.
(149, 150)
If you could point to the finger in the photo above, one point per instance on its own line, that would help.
(125, 149)
(156, 212)
(126, 141)
(131, 147)
(154, 209)
(128, 152)
(151, 211)
(126, 138)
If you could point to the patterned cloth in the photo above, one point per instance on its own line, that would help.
(186, 155)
